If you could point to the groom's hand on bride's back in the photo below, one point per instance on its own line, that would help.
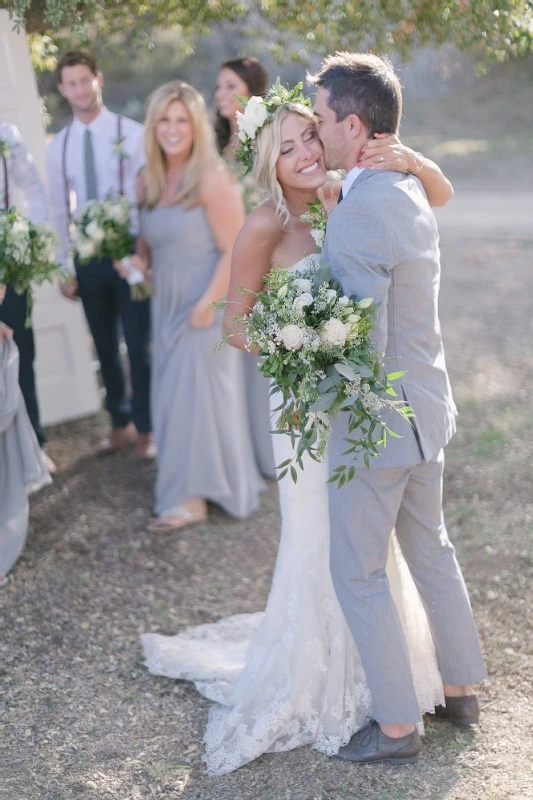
(385, 151)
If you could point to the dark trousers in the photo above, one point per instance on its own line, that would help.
(13, 313)
(106, 301)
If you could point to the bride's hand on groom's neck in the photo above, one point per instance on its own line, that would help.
(386, 151)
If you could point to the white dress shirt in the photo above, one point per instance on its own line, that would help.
(349, 180)
(25, 188)
(104, 132)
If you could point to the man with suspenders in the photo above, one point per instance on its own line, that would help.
(21, 187)
(97, 155)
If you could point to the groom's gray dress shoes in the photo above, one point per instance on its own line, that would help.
(460, 710)
(370, 745)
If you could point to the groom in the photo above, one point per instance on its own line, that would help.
(382, 242)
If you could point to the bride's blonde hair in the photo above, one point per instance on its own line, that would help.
(203, 154)
(267, 148)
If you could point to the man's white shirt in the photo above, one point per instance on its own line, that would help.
(350, 179)
(25, 188)
(104, 133)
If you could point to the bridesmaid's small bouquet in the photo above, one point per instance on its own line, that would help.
(103, 231)
(315, 345)
(27, 254)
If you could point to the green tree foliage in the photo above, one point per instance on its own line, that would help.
(495, 29)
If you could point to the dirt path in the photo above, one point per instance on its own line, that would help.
(501, 214)
(81, 718)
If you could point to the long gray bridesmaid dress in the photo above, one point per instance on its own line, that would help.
(200, 420)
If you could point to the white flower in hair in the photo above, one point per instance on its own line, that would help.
(253, 118)
(256, 111)
(260, 110)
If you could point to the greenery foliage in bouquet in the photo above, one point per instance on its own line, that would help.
(103, 231)
(27, 254)
(318, 218)
(315, 344)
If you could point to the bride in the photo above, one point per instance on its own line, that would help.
(291, 675)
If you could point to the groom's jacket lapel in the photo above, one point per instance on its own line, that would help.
(362, 177)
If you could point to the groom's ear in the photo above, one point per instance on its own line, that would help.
(354, 126)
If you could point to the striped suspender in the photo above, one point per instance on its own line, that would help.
(64, 168)
(120, 158)
(6, 184)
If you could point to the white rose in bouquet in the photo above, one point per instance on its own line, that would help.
(20, 227)
(333, 333)
(292, 337)
(318, 236)
(119, 212)
(344, 301)
(86, 248)
(95, 232)
(305, 299)
(303, 284)
(331, 295)
(92, 209)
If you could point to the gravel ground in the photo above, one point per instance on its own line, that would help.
(81, 717)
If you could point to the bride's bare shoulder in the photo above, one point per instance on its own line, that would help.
(264, 223)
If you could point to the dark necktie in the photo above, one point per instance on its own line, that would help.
(90, 172)
(341, 197)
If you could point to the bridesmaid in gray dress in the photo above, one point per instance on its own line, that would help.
(245, 77)
(191, 211)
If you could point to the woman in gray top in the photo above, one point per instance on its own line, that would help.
(191, 212)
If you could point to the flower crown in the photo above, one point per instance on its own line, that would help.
(260, 110)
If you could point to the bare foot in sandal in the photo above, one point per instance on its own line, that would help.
(192, 510)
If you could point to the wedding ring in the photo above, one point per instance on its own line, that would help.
(381, 158)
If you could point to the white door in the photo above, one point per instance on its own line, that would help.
(66, 376)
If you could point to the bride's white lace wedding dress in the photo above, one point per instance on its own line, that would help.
(291, 675)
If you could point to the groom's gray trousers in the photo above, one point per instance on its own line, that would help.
(363, 514)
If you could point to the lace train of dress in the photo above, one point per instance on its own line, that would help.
(291, 675)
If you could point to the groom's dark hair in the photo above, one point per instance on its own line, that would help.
(365, 85)
(74, 57)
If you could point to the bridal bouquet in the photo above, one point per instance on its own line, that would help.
(27, 254)
(314, 343)
(103, 231)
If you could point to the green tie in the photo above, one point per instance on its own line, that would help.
(90, 173)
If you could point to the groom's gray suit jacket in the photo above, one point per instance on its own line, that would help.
(382, 242)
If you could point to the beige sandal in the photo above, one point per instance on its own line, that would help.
(174, 522)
